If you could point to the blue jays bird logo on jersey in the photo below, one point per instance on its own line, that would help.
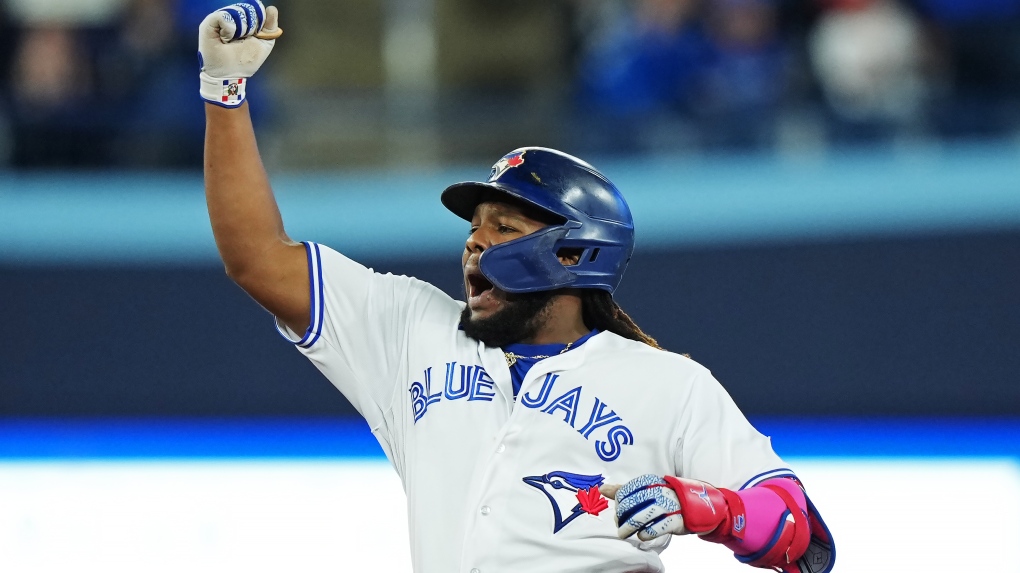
(578, 492)
(510, 160)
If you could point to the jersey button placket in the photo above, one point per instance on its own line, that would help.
(486, 510)
(500, 448)
(476, 570)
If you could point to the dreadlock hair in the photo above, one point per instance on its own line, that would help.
(600, 311)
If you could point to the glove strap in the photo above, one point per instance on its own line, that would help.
(225, 92)
(734, 528)
(789, 543)
(706, 509)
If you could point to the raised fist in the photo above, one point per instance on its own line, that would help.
(232, 44)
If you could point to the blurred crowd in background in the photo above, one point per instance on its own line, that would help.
(112, 83)
(98, 83)
(761, 73)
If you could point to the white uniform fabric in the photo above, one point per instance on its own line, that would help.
(493, 485)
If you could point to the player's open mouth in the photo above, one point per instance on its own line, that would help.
(477, 285)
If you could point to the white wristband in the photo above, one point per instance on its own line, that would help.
(222, 92)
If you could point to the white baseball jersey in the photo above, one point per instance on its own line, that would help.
(497, 484)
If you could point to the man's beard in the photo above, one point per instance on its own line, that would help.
(520, 318)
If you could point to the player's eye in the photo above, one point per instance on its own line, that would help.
(504, 229)
(472, 230)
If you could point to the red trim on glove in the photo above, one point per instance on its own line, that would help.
(719, 515)
(707, 510)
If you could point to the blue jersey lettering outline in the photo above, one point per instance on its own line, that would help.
(543, 392)
(465, 382)
(568, 403)
(477, 385)
(481, 380)
(597, 420)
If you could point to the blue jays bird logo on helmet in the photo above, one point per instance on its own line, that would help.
(571, 495)
(509, 160)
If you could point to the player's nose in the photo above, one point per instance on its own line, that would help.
(478, 241)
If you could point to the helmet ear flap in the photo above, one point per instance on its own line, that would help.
(527, 264)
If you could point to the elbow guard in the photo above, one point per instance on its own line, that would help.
(790, 541)
(718, 515)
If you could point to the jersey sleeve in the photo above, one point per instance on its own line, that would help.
(718, 445)
(362, 324)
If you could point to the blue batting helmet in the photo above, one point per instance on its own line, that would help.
(593, 218)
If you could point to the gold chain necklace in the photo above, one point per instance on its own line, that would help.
(511, 358)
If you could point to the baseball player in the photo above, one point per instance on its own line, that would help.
(509, 417)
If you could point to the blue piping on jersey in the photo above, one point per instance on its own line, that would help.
(318, 300)
(767, 475)
(311, 298)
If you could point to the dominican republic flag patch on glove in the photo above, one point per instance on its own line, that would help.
(233, 90)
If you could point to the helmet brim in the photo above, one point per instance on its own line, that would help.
(462, 198)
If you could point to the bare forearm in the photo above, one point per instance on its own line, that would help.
(246, 222)
(245, 218)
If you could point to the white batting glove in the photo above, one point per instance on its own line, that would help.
(228, 51)
(646, 505)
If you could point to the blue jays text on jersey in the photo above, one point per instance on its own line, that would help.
(474, 384)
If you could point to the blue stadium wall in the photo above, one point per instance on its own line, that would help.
(880, 283)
